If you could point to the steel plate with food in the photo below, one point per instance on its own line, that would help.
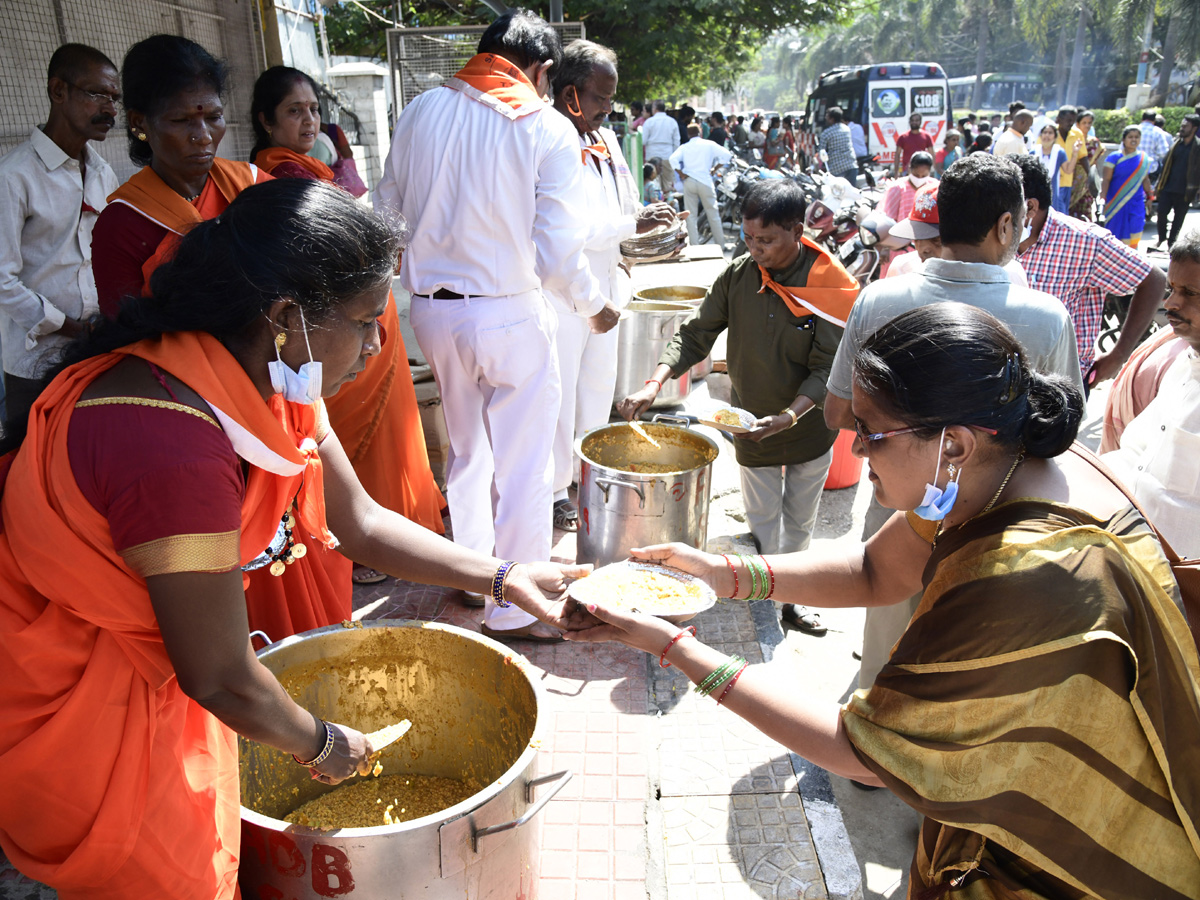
(731, 419)
(647, 587)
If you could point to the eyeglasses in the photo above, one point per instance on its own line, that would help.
(99, 97)
(868, 439)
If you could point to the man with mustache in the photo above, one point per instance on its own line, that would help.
(1159, 447)
(52, 187)
(608, 202)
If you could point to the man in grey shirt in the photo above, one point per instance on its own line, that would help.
(981, 207)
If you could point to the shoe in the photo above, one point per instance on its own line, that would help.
(367, 575)
(472, 600)
(566, 516)
(803, 618)
(519, 634)
(864, 787)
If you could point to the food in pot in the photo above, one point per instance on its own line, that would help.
(389, 800)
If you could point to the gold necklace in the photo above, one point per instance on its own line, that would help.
(1004, 483)
(992, 502)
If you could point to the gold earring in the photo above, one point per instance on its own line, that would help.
(280, 340)
(141, 136)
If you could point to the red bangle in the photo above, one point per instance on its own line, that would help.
(732, 682)
(662, 657)
(770, 572)
(729, 563)
(653, 381)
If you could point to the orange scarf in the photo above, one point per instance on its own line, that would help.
(830, 292)
(600, 151)
(146, 192)
(145, 778)
(273, 156)
(497, 84)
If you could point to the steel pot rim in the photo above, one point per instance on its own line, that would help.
(476, 800)
(641, 476)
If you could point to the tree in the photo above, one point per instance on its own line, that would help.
(691, 45)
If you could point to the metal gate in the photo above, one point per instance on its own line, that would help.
(423, 58)
(32, 30)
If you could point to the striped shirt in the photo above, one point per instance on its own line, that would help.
(1079, 262)
(835, 141)
(1155, 144)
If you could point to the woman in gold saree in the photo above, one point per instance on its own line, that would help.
(1041, 709)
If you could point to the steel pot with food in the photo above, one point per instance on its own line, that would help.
(645, 331)
(688, 295)
(453, 811)
(642, 488)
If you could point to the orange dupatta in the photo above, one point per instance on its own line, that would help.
(150, 196)
(830, 292)
(268, 159)
(497, 84)
(143, 797)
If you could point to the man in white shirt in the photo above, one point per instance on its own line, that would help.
(1159, 453)
(584, 88)
(1012, 142)
(858, 140)
(660, 137)
(694, 162)
(52, 187)
(981, 211)
(487, 174)
(1155, 142)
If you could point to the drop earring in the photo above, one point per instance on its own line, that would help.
(951, 469)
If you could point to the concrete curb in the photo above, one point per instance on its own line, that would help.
(839, 865)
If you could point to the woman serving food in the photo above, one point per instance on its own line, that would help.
(1042, 708)
(180, 446)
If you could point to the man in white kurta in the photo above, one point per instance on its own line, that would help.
(608, 203)
(1159, 454)
(486, 174)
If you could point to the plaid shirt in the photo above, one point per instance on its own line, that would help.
(1155, 143)
(1079, 262)
(835, 140)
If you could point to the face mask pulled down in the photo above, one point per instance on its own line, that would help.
(297, 387)
(937, 502)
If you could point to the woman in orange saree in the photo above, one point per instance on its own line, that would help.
(376, 418)
(173, 89)
(174, 446)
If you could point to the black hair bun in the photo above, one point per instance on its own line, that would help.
(1054, 414)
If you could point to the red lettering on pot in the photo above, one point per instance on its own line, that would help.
(678, 490)
(285, 855)
(331, 871)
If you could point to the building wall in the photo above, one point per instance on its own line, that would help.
(32, 29)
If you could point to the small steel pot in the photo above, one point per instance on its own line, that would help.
(646, 329)
(688, 295)
(620, 509)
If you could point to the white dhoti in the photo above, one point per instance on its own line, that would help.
(588, 367)
(497, 371)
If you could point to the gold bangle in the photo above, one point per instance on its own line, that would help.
(787, 410)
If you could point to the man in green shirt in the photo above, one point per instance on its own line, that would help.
(779, 355)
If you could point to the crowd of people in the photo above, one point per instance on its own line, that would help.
(210, 420)
(1117, 188)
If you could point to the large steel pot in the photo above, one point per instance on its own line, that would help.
(620, 509)
(646, 329)
(688, 295)
(475, 712)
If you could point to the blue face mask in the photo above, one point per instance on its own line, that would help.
(938, 502)
(297, 387)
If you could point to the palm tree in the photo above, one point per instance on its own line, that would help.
(1183, 31)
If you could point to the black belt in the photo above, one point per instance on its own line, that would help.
(442, 294)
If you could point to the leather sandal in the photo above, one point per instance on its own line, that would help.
(803, 619)
(367, 575)
(566, 516)
(519, 634)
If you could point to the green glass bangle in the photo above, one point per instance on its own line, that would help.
(753, 593)
(712, 676)
(718, 677)
(758, 579)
